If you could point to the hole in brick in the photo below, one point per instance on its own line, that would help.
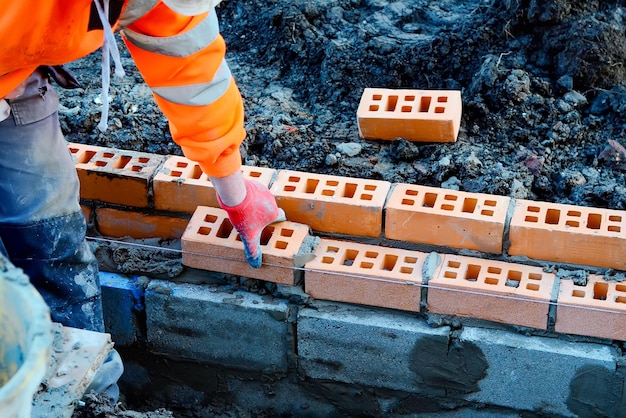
(266, 235)
(614, 228)
(442, 99)
(367, 265)
(532, 286)
(108, 155)
(535, 276)
(620, 299)
(73, 150)
(406, 270)
(196, 172)
(491, 280)
(472, 272)
(371, 254)
(410, 260)
(411, 192)
(86, 157)
(100, 163)
(449, 275)
(439, 109)
(406, 109)
(469, 205)
(136, 168)
(409, 98)
(176, 173)
(574, 213)
(349, 190)
(492, 203)
(225, 229)
(311, 185)
(143, 160)
(203, 230)
(425, 103)
(122, 162)
(486, 212)
(254, 174)
(600, 290)
(369, 187)
(293, 179)
(289, 188)
(332, 249)
(533, 209)
(513, 278)
(367, 197)
(574, 224)
(181, 164)
(620, 287)
(350, 257)
(615, 218)
(374, 108)
(286, 232)
(552, 216)
(410, 202)
(594, 221)
(447, 207)
(390, 262)
(494, 270)
(578, 293)
(281, 245)
(454, 264)
(377, 97)
(531, 219)
(328, 260)
(429, 200)
(210, 218)
(332, 183)
(450, 197)
(327, 192)
(392, 102)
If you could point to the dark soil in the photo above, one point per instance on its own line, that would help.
(543, 86)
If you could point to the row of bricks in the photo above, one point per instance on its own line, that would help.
(352, 206)
(366, 274)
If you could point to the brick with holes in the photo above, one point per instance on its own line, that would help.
(594, 309)
(211, 243)
(365, 274)
(449, 218)
(415, 115)
(115, 176)
(333, 204)
(568, 233)
(181, 186)
(496, 291)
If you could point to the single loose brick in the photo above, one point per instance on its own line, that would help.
(415, 115)
(210, 242)
(127, 223)
(332, 203)
(595, 309)
(569, 234)
(365, 274)
(493, 290)
(114, 176)
(442, 217)
(181, 186)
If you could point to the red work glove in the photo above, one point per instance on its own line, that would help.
(251, 216)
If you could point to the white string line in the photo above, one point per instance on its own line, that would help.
(358, 276)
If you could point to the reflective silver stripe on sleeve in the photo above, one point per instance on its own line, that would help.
(182, 45)
(134, 10)
(198, 94)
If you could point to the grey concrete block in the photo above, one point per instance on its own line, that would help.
(218, 325)
(549, 375)
(122, 303)
(371, 347)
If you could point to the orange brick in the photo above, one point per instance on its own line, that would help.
(365, 274)
(181, 186)
(596, 309)
(211, 243)
(450, 218)
(114, 176)
(493, 290)
(570, 234)
(416, 115)
(332, 203)
(122, 223)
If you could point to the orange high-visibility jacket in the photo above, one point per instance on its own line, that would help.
(181, 58)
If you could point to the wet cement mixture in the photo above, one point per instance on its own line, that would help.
(543, 87)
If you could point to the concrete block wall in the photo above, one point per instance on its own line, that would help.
(446, 297)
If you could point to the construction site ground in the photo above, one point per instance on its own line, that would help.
(543, 90)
